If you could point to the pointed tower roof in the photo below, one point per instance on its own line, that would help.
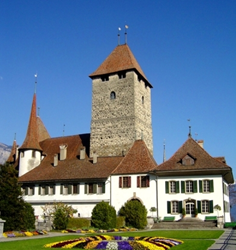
(12, 156)
(42, 131)
(137, 160)
(31, 140)
(120, 59)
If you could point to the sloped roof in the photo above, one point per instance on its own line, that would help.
(12, 156)
(42, 131)
(120, 59)
(137, 160)
(31, 140)
(203, 162)
(72, 168)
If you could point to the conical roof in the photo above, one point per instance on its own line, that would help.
(31, 140)
(42, 131)
(12, 156)
(120, 59)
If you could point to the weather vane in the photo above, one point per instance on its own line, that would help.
(36, 75)
(119, 29)
(126, 27)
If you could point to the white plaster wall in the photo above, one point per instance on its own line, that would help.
(217, 196)
(119, 196)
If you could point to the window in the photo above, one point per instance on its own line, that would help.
(33, 154)
(226, 206)
(188, 160)
(31, 190)
(113, 95)
(188, 186)
(205, 206)
(94, 188)
(75, 189)
(51, 189)
(21, 154)
(125, 182)
(174, 207)
(42, 190)
(99, 189)
(172, 187)
(143, 181)
(206, 186)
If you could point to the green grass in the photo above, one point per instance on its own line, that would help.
(193, 239)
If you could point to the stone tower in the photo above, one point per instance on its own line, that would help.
(121, 105)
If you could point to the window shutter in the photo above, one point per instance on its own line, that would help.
(54, 189)
(33, 190)
(78, 188)
(85, 188)
(167, 187)
(211, 186)
(26, 190)
(182, 187)
(200, 186)
(177, 188)
(61, 188)
(138, 181)
(120, 182)
(46, 190)
(148, 181)
(69, 189)
(195, 186)
(129, 181)
(211, 206)
(94, 188)
(180, 207)
(103, 188)
(168, 207)
(199, 206)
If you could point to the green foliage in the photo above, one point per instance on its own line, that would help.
(12, 206)
(135, 214)
(120, 221)
(104, 216)
(60, 220)
(183, 211)
(78, 223)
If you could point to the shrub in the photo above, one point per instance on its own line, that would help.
(29, 219)
(135, 214)
(120, 221)
(78, 223)
(103, 216)
(60, 220)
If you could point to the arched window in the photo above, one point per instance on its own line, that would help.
(113, 95)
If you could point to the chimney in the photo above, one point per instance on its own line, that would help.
(82, 153)
(200, 143)
(63, 152)
(95, 158)
(55, 162)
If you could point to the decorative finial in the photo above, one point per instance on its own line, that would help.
(36, 75)
(63, 129)
(126, 27)
(164, 151)
(15, 137)
(119, 29)
(189, 134)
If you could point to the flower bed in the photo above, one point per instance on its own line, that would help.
(123, 229)
(117, 243)
(23, 233)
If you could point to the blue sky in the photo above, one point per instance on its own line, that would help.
(187, 50)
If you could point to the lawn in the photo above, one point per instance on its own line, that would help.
(193, 239)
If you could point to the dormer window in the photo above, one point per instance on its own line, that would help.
(113, 95)
(188, 160)
(122, 75)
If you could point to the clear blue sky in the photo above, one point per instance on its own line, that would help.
(187, 50)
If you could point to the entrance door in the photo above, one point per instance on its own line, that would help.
(190, 209)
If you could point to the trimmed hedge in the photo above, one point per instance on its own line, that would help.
(230, 224)
(120, 221)
(78, 223)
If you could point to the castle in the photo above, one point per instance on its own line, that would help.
(114, 162)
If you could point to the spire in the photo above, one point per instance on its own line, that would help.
(13, 155)
(164, 151)
(31, 140)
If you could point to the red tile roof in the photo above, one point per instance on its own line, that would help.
(31, 140)
(120, 59)
(137, 160)
(42, 131)
(203, 162)
(12, 156)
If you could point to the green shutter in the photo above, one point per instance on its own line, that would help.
(182, 187)
(39, 190)
(177, 186)
(103, 188)
(199, 206)
(180, 207)
(33, 190)
(94, 188)
(61, 188)
(26, 190)
(195, 186)
(78, 188)
(168, 207)
(167, 187)
(46, 190)
(69, 189)
(54, 189)
(85, 188)
(200, 186)
(211, 186)
(211, 206)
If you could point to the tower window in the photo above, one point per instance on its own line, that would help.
(122, 75)
(142, 99)
(33, 154)
(113, 95)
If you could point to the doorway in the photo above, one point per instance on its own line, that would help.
(190, 208)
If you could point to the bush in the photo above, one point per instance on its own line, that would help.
(60, 220)
(135, 214)
(29, 219)
(78, 223)
(104, 216)
(120, 221)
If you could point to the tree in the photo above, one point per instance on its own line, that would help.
(60, 220)
(13, 208)
(135, 214)
(232, 196)
(104, 216)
